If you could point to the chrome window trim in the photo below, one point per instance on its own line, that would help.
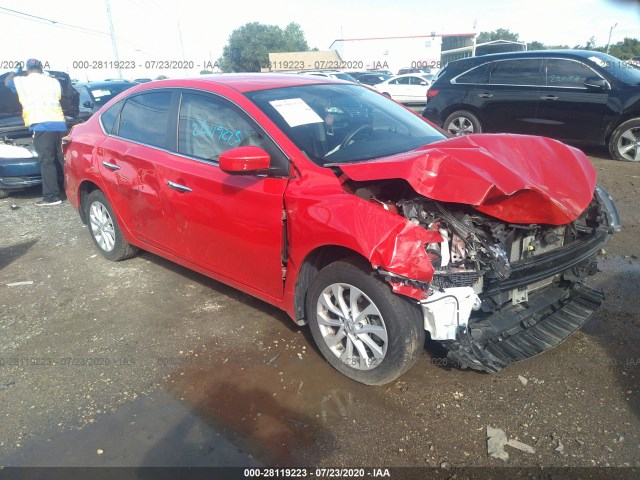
(455, 82)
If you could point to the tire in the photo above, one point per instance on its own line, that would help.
(462, 122)
(386, 94)
(4, 193)
(624, 143)
(383, 344)
(104, 229)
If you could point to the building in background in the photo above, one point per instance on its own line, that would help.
(395, 53)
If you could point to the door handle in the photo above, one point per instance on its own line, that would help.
(111, 166)
(549, 97)
(177, 186)
(485, 95)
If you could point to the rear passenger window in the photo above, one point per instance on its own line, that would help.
(523, 71)
(477, 75)
(209, 126)
(145, 118)
(109, 117)
(567, 73)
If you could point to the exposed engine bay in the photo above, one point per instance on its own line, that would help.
(501, 292)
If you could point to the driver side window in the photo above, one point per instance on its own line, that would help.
(209, 126)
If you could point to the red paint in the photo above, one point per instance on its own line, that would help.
(516, 178)
(230, 228)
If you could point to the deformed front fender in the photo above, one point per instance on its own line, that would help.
(389, 241)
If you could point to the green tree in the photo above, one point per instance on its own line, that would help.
(161, 77)
(535, 45)
(249, 46)
(205, 72)
(626, 49)
(499, 34)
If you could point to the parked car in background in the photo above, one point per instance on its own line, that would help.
(19, 164)
(372, 78)
(142, 80)
(94, 95)
(577, 96)
(330, 74)
(408, 88)
(349, 212)
(419, 71)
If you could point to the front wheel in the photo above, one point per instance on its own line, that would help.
(104, 229)
(624, 143)
(462, 123)
(363, 330)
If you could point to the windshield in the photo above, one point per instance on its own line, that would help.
(624, 71)
(343, 123)
(103, 94)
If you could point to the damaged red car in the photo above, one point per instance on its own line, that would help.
(351, 213)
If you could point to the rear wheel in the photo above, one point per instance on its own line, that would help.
(104, 229)
(462, 123)
(624, 143)
(364, 331)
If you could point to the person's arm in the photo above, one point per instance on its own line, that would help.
(9, 83)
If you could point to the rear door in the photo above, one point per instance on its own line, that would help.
(129, 159)
(568, 110)
(508, 102)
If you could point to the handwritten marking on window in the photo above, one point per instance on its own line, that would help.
(216, 131)
(564, 78)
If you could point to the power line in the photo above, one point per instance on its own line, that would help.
(35, 18)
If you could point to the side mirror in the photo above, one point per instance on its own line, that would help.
(595, 83)
(424, 83)
(244, 160)
(88, 104)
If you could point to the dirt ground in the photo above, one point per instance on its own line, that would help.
(146, 363)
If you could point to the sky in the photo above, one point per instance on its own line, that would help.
(158, 30)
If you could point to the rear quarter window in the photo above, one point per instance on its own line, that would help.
(109, 117)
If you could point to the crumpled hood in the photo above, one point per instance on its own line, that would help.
(516, 178)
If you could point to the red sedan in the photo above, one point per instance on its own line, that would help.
(349, 212)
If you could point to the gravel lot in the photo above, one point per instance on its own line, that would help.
(146, 363)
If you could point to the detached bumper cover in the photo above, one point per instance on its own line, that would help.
(519, 333)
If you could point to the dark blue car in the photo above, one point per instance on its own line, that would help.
(19, 164)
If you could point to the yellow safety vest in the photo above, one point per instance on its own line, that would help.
(39, 96)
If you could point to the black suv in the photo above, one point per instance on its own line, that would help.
(577, 96)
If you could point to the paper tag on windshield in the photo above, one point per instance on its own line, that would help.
(296, 112)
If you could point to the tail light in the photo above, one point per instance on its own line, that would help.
(66, 140)
(432, 92)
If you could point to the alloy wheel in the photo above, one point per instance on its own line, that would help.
(352, 326)
(102, 227)
(628, 144)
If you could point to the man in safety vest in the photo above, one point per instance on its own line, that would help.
(39, 95)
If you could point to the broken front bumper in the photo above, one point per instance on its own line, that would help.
(518, 333)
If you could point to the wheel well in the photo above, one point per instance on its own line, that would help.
(465, 108)
(620, 121)
(85, 189)
(316, 261)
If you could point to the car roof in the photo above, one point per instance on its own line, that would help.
(528, 54)
(245, 82)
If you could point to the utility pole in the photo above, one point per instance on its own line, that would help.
(114, 44)
(610, 31)
(184, 60)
